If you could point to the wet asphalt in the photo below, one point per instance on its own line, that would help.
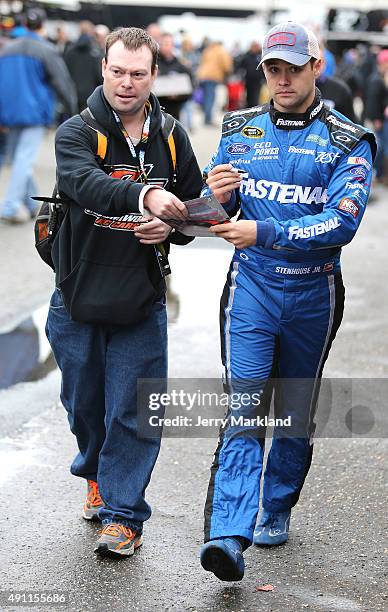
(336, 558)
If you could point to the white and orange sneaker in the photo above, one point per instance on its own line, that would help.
(117, 540)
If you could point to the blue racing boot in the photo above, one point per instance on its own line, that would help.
(272, 528)
(224, 558)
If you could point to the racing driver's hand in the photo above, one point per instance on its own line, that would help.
(223, 180)
(242, 233)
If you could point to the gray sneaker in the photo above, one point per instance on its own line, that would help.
(117, 540)
(92, 503)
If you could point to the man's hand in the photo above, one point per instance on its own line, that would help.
(241, 233)
(162, 203)
(153, 232)
(223, 180)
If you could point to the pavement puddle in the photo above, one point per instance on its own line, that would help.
(17, 455)
(23, 450)
(25, 354)
(324, 601)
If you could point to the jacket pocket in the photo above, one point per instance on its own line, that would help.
(100, 293)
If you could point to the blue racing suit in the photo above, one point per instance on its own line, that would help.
(306, 185)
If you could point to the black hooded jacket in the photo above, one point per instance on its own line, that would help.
(104, 272)
(83, 61)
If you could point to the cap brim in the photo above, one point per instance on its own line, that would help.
(296, 59)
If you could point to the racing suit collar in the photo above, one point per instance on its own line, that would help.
(297, 121)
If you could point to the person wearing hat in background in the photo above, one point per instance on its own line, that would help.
(299, 173)
(376, 111)
(31, 73)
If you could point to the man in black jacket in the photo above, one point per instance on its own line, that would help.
(253, 77)
(83, 60)
(107, 317)
(337, 94)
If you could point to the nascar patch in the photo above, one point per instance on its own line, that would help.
(359, 161)
(251, 131)
(350, 206)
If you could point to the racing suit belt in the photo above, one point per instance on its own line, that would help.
(288, 269)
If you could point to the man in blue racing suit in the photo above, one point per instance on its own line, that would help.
(300, 176)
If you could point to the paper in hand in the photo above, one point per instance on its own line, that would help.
(203, 214)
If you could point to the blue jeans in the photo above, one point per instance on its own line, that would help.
(23, 143)
(209, 96)
(100, 365)
(186, 115)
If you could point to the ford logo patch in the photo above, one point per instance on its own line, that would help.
(358, 172)
(238, 148)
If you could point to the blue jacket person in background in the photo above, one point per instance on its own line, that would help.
(299, 174)
(32, 77)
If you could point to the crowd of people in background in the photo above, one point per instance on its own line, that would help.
(207, 78)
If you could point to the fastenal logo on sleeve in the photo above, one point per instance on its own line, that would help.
(345, 126)
(295, 231)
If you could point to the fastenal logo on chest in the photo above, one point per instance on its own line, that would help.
(285, 194)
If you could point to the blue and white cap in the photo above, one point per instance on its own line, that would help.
(291, 42)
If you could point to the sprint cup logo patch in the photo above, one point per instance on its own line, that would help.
(251, 131)
(348, 205)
